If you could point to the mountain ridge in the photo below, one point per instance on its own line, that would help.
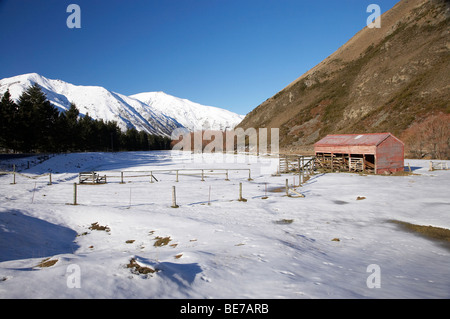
(101, 103)
(390, 79)
(191, 115)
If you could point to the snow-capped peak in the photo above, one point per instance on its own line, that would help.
(190, 114)
(153, 112)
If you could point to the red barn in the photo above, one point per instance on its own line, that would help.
(375, 152)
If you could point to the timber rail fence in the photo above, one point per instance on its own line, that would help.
(438, 166)
(14, 173)
(93, 177)
(296, 163)
(96, 178)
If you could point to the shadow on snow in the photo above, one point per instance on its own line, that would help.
(23, 237)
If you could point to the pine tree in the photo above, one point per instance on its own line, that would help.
(73, 128)
(86, 132)
(37, 119)
(46, 116)
(143, 141)
(8, 109)
(26, 133)
(34, 124)
(131, 139)
(114, 133)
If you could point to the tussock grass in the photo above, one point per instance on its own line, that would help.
(135, 267)
(47, 262)
(161, 241)
(431, 232)
(96, 226)
(284, 221)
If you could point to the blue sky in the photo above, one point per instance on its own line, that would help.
(225, 53)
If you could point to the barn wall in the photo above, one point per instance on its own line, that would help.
(390, 156)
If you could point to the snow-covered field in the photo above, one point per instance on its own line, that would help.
(324, 245)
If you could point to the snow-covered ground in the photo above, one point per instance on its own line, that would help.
(321, 246)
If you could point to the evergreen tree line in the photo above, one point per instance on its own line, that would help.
(33, 124)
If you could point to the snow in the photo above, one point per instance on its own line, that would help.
(96, 101)
(190, 114)
(153, 112)
(279, 247)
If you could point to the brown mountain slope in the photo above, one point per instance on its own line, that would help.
(394, 79)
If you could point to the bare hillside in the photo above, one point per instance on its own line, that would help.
(395, 78)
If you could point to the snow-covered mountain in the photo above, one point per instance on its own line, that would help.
(96, 101)
(101, 103)
(190, 114)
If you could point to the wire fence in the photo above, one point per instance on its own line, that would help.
(68, 190)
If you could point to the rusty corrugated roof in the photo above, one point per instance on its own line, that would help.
(369, 139)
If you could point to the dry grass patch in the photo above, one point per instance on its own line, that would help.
(432, 232)
(47, 262)
(96, 226)
(138, 269)
(284, 221)
(161, 241)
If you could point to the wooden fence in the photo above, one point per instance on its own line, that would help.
(14, 174)
(344, 162)
(296, 164)
(96, 178)
(438, 165)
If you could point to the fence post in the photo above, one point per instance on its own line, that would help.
(174, 199)
(226, 178)
(241, 199)
(249, 175)
(209, 196)
(151, 177)
(203, 177)
(303, 173)
(14, 174)
(34, 191)
(240, 191)
(75, 193)
(177, 177)
(121, 177)
(431, 165)
(50, 179)
(287, 187)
